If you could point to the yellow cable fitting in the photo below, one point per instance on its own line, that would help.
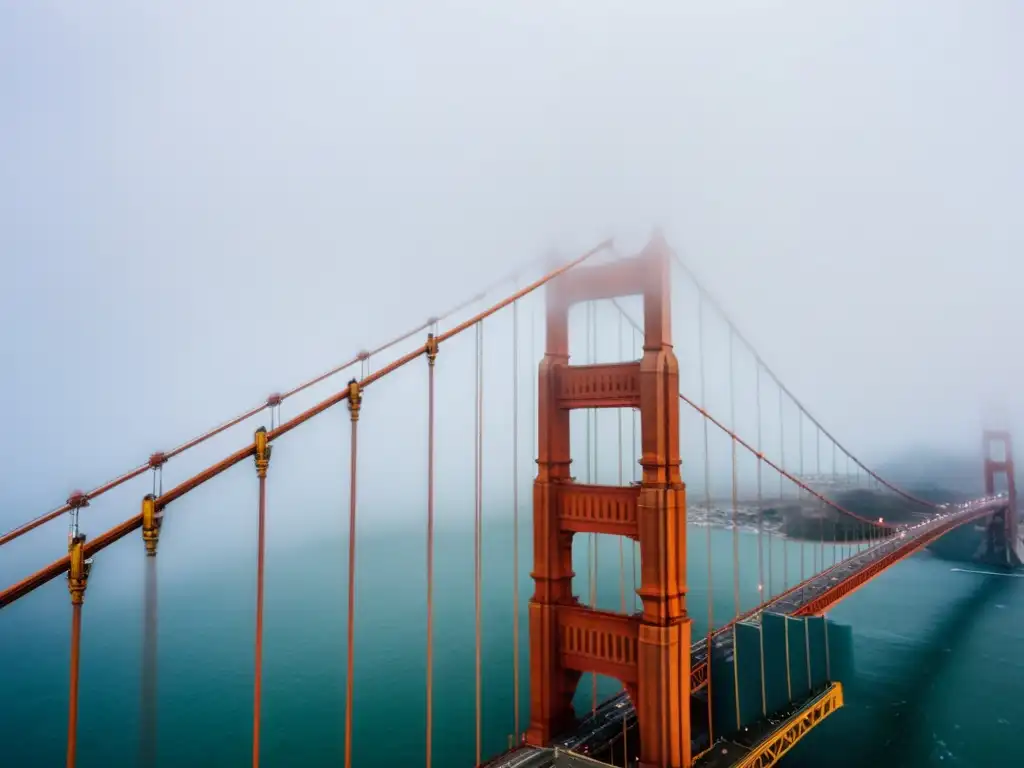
(355, 399)
(263, 449)
(432, 348)
(78, 570)
(152, 519)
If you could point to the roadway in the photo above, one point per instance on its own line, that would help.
(597, 730)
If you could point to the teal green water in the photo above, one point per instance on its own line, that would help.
(939, 670)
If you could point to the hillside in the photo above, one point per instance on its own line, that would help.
(935, 473)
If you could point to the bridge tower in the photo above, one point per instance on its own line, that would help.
(649, 651)
(994, 466)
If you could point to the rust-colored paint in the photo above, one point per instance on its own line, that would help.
(843, 589)
(992, 468)
(649, 651)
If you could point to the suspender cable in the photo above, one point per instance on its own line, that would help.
(587, 413)
(78, 575)
(151, 522)
(533, 381)
(592, 457)
(76, 638)
(355, 400)
(707, 461)
(432, 348)
(799, 490)
(262, 459)
(735, 500)
(743, 340)
(835, 540)
(588, 477)
(817, 453)
(782, 463)
(821, 531)
(633, 470)
(147, 719)
(515, 518)
(782, 445)
(760, 501)
(477, 525)
(622, 555)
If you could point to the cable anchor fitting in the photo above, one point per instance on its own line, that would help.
(76, 501)
(355, 399)
(78, 569)
(263, 450)
(432, 348)
(152, 519)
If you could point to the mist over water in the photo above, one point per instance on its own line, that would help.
(937, 678)
(200, 206)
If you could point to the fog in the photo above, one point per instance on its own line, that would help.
(203, 203)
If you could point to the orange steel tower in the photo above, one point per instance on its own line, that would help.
(648, 652)
(1004, 466)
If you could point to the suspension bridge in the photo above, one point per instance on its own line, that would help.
(739, 692)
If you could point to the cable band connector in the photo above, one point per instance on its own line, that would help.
(363, 355)
(152, 519)
(78, 569)
(274, 400)
(263, 450)
(77, 500)
(432, 347)
(355, 399)
(157, 460)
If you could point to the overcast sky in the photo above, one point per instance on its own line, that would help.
(202, 203)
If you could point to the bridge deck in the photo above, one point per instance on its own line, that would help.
(765, 743)
(595, 731)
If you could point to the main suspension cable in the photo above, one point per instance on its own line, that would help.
(721, 311)
(276, 399)
(61, 565)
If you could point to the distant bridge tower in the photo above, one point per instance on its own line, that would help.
(994, 466)
(650, 651)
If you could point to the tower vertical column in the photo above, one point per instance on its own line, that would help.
(992, 467)
(551, 687)
(663, 708)
(1012, 515)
